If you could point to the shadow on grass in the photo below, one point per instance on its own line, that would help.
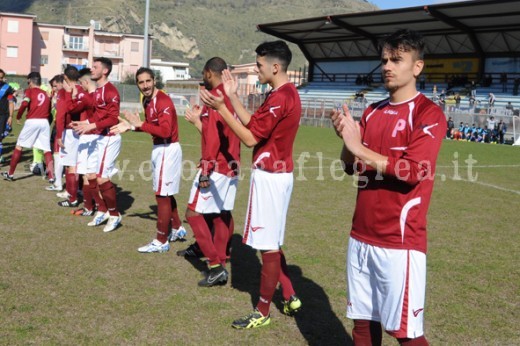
(151, 215)
(124, 200)
(316, 321)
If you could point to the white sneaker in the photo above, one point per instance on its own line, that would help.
(177, 234)
(99, 218)
(63, 194)
(54, 188)
(113, 223)
(154, 246)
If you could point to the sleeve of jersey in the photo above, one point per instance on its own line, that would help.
(24, 105)
(265, 119)
(111, 117)
(163, 129)
(61, 110)
(212, 143)
(418, 160)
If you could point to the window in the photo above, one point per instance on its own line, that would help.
(12, 52)
(76, 42)
(45, 35)
(44, 60)
(12, 26)
(134, 47)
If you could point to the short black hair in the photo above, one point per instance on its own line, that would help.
(71, 72)
(277, 50)
(407, 40)
(2, 71)
(57, 78)
(142, 70)
(35, 78)
(106, 62)
(84, 72)
(216, 65)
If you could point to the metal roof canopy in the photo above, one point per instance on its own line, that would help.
(484, 28)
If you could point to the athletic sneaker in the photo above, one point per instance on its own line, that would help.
(216, 276)
(7, 176)
(292, 306)
(83, 212)
(99, 218)
(253, 320)
(113, 223)
(63, 194)
(191, 251)
(54, 188)
(51, 181)
(177, 234)
(155, 246)
(67, 203)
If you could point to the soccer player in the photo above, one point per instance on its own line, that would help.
(6, 109)
(36, 130)
(394, 151)
(108, 146)
(213, 192)
(271, 130)
(161, 123)
(68, 140)
(81, 100)
(57, 86)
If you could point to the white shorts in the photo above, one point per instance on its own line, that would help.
(219, 196)
(87, 154)
(108, 148)
(69, 154)
(36, 133)
(166, 168)
(269, 196)
(388, 286)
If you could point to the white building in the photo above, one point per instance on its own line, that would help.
(171, 70)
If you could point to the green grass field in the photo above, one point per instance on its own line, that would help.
(62, 282)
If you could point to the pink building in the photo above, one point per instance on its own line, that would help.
(56, 46)
(16, 31)
(26, 45)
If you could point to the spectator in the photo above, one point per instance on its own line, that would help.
(503, 81)
(491, 102)
(515, 86)
(457, 101)
(473, 89)
(451, 125)
(501, 130)
(509, 108)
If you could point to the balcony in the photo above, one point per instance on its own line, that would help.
(75, 47)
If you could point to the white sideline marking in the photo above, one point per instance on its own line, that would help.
(483, 184)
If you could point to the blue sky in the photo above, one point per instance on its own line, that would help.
(389, 4)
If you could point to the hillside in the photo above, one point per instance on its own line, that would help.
(189, 30)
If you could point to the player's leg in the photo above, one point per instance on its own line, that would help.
(221, 235)
(160, 243)
(291, 303)
(108, 151)
(367, 333)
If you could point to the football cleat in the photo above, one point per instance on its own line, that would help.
(83, 212)
(67, 203)
(113, 223)
(215, 276)
(7, 176)
(292, 306)
(191, 251)
(54, 188)
(63, 194)
(253, 320)
(99, 218)
(177, 234)
(155, 246)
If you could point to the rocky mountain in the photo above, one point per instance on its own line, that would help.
(189, 30)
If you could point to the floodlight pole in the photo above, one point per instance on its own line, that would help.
(146, 61)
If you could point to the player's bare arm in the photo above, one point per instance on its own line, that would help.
(192, 115)
(231, 90)
(217, 102)
(351, 134)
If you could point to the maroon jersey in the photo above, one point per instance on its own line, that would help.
(38, 103)
(62, 118)
(391, 209)
(106, 108)
(160, 119)
(220, 146)
(83, 105)
(274, 126)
